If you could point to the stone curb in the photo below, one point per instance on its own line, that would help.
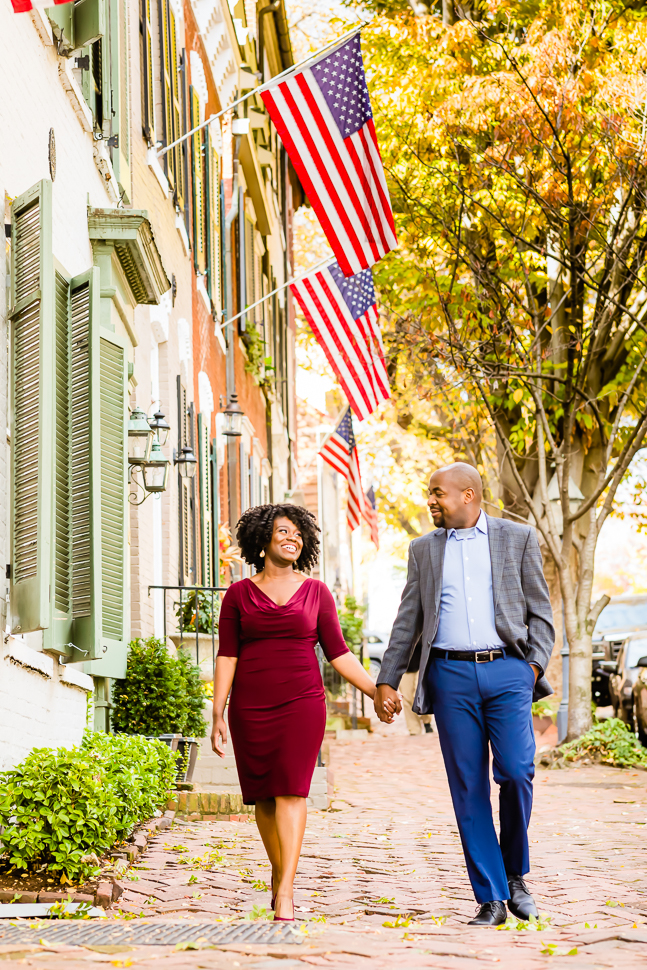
(108, 891)
(210, 806)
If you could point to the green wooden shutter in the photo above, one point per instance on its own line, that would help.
(212, 219)
(57, 638)
(197, 180)
(187, 562)
(148, 96)
(172, 101)
(31, 419)
(113, 497)
(85, 453)
(120, 84)
(206, 502)
(215, 513)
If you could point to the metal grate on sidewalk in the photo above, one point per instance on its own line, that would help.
(112, 932)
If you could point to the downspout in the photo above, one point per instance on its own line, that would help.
(230, 372)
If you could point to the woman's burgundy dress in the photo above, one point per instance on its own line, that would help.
(277, 709)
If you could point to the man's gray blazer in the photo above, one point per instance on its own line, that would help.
(522, 612)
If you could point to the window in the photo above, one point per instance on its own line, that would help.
(96, 32)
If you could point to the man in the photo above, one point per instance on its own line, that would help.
(476, 594)
(408, 686)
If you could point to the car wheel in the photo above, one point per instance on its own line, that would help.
(639, 727)
(374, 669)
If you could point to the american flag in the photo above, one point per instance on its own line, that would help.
(23, 6)
(340, 451)
(371, 516)
(343, 316)
(323, 115)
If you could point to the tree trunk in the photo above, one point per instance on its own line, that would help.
(554, 668)
(579, 688)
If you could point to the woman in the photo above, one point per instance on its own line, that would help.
(269, 626)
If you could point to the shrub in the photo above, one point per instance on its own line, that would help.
(59, 806)
(351, 620)
(609, 742)
(160, 694)
(195, 725)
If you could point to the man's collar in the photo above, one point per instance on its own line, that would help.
(481, 525)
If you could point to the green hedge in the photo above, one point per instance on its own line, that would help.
(160, 694)
(58, 806)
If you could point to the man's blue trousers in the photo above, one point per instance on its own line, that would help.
(477, 705)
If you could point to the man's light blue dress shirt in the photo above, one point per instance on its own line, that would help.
(467, 605)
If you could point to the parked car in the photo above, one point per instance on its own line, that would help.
(624, 674)
(623, 615)
(640, 701)
(376, 644)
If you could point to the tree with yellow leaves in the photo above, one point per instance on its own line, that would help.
(514, 135)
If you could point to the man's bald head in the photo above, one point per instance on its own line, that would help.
(455, 495)
(464, 476)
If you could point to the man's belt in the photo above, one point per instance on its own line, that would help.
(476, 656)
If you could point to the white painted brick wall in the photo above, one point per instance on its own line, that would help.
(42, 704)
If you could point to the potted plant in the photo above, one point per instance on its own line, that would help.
(197, 614)
(161, 696)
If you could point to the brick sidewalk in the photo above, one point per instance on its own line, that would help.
(388, 852)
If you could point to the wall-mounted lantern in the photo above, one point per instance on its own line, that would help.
(140, 437)
(233, 418)
(156, 469)
(186, 462)
(160, 426)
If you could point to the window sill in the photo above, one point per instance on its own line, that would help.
(157, 170)
(181, 228)
(74, 93)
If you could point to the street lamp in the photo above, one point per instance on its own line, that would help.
(140, 437)
(233, 418)
(156, 469)
(186, 462)
(160, 425)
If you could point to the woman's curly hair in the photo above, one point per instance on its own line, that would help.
(255, 528)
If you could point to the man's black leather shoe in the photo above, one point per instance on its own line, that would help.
(492, 913)
(521, 903)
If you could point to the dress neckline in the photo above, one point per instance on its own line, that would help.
(279, 606)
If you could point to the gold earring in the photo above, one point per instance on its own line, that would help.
(262, 553)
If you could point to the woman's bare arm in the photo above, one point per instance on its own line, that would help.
(351, 670)
(224, 678)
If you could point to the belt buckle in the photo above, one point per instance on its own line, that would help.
(486, 654)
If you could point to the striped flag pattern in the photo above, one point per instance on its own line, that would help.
(371, 516)
(343, 316)
(24, 6)
(340, 451)
(324, 118)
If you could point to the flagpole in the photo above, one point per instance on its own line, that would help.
(295, 279)
(262, 87)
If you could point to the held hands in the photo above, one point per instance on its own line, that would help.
(387, 702)
(219, 736)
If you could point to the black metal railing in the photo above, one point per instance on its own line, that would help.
(194, 593)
